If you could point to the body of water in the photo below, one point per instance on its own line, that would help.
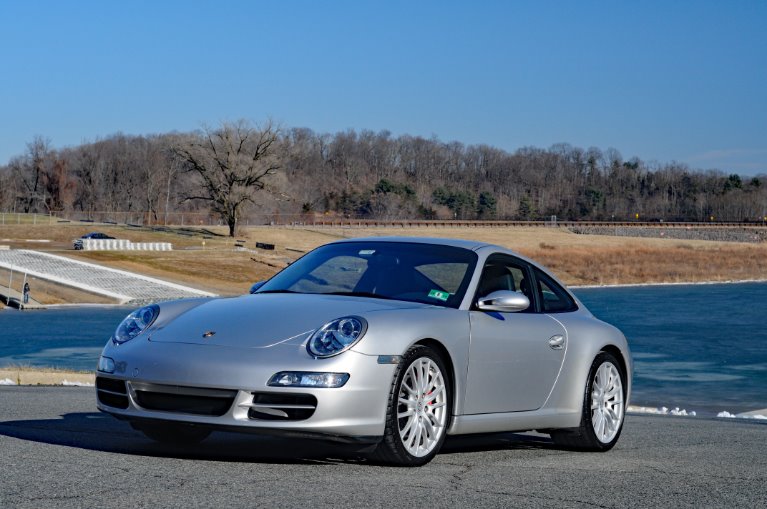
(697, 347)
(67, 337)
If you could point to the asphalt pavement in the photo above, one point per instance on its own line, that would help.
(57, 450)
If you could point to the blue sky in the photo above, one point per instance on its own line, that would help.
(683, 81)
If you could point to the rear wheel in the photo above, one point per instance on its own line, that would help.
(603, 408)
(418, 411)
(173, 433)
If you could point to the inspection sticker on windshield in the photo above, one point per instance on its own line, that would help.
(436, 294)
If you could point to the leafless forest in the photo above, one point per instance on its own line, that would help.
(153, 179)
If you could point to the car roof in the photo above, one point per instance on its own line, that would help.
(481, 248)
(472, 245)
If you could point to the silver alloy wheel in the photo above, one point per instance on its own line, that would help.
(607, 402)
(421, 408)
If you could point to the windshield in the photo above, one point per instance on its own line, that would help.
(428, 273)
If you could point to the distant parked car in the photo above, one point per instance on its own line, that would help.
(391, 342)
(78, 243)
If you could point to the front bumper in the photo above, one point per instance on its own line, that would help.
(226, 388)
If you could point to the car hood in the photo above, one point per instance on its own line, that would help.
(264, 320)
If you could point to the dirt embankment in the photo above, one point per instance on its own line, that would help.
(744, 234)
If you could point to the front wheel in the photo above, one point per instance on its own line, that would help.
(604, 408)
(418, 411)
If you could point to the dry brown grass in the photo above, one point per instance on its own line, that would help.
(577, 259)
(635, 264)
(225, 272)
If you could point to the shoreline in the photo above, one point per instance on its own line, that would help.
(27, 376)
(672, 283)
(571, 287)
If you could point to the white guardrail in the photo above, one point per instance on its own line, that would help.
(124, 245)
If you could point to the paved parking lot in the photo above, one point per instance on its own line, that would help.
(56, 450)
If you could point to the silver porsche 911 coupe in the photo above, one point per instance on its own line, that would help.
(390, 342)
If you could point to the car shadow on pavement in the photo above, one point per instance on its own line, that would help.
(497, 442)
(100, 432)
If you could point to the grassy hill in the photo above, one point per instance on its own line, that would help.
(207, 259)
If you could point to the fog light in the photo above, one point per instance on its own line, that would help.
(308, 379)
(106, 365)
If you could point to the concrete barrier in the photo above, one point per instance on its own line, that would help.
(124, 245)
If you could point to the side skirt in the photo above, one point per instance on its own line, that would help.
(512, 421)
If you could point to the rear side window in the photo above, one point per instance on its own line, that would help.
(554, 298)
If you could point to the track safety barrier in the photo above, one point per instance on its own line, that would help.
(124, 245)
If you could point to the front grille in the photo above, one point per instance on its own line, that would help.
(268, 406)
(185, 400)
(112, 392)
(198, 405)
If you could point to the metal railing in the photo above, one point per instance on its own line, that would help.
(316, 220)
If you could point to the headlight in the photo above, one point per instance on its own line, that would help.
(336, 336)
(136, 323)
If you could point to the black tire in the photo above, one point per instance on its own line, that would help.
(584, 437)
(173, 433)
(392, 450)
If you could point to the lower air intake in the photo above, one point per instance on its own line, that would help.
(112, 392)
(282, 407)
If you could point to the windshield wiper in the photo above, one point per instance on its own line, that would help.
(277, 291)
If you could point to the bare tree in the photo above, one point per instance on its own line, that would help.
(7, 192)
(28, 171)
(232, 163)
(88, 163)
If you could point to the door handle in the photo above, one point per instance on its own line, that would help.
(557, 342)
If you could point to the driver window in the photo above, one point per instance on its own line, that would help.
(502, 273)
(338, 274)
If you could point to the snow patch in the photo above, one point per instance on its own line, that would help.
(7, 381)
(727, 415)
(76, 384)
(661, 411)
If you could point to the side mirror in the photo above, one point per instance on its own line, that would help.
(256, 286)
(504, 301)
